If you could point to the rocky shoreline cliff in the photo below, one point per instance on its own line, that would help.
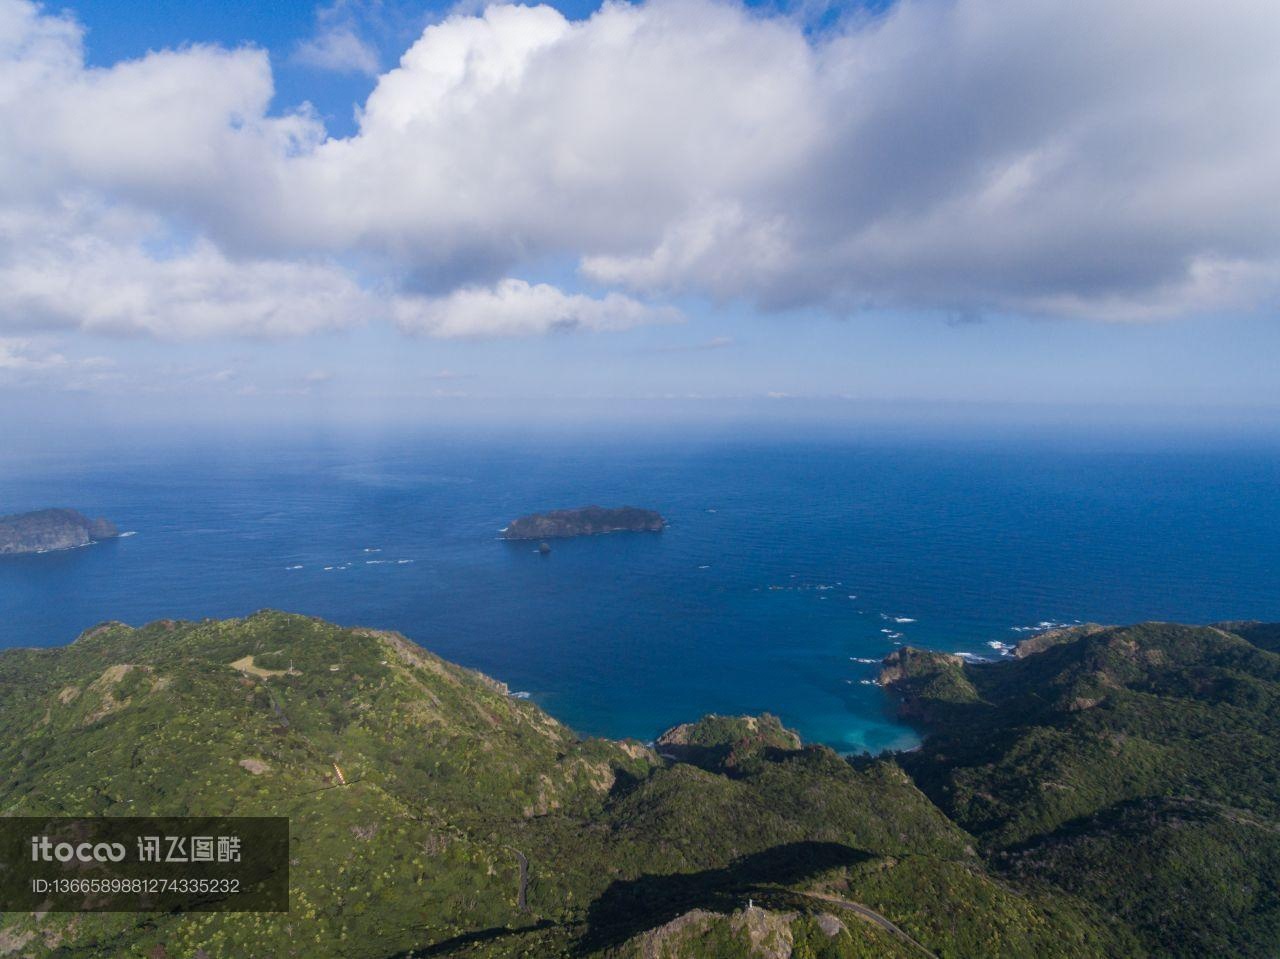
(50, 529)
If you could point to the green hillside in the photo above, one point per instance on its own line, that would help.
(1134, 767)
(468, 822)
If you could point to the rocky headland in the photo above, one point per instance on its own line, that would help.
(50, 529)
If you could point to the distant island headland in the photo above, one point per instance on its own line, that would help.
(49, 529)
(584, 521)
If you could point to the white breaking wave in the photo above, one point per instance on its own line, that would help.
(1044, 625)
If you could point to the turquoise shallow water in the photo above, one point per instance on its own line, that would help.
(785, 561)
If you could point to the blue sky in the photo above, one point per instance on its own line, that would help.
(814, 207)
(122, 30)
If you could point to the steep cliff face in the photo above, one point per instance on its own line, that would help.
(584, 521)
(50, 529)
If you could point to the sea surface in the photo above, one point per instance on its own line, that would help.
(789, 569)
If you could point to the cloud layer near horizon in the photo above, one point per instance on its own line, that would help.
(1109, 160)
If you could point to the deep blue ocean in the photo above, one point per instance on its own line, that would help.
(786, 560)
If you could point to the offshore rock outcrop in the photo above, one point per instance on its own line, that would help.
(50, 529)
(584, 521)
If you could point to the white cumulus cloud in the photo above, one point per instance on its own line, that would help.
(22, 355)
(517, 308)
(1106, 159)
(82, 266)
(339, 49)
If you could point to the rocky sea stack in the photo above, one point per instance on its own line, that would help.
(584, 521)
(50, 529)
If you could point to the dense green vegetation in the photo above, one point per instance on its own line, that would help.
(1135, 768)
(1112, 794)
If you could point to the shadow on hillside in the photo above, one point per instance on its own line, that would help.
(448, 947)
(623, 782)
(630, 907)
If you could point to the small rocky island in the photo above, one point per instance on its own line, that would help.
(584, 521)
(50, 529)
